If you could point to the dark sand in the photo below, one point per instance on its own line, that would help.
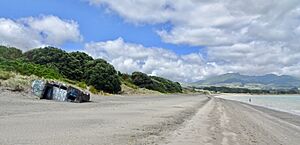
(166, 119)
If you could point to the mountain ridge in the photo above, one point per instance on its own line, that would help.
(267, 81)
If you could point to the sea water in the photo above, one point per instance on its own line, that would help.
(286, 103)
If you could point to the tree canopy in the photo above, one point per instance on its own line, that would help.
(102, 76)
(155, 83)
(78, 66)
(50, 62)
(64, 62)
(10, 52)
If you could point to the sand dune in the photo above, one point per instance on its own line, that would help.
(165, 119)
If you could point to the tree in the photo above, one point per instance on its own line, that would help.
(81, 59)
(78, 66)
(102, 76)
(170, 86)
(141, 79)
(10, 52)
(67, 64)
(155, 83)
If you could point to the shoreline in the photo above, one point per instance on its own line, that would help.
(228, 97)
(232, 122)
(271, 111)
(245, 94)
(277, 113)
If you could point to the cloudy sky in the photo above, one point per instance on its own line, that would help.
(183, 40)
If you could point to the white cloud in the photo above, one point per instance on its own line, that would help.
(31, 32)
(129, 57)
(213, 22)
(257, 58)
(15, 34)
(251, 37)
(194, 37)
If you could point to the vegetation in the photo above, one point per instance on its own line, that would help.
(126, 80)
(27, 68)
(137, 91)
(10, 52)
(15, 82)
(65, 63)
(93, 90)
(155, 83)
(142, 80)
(78, 68)
(169, 86)
(81, 85)
(4, 75)
(102, 76)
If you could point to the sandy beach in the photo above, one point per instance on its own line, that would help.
(162, 119)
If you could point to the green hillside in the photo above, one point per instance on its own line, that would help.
(78, 68)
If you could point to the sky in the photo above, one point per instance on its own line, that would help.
(183, 40)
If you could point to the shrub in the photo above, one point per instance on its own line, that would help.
(141, 79)
(26, 68)
(70, 81)
(170, 86)
(126, 80)
(81, 85)
(93, 90)
(4, 75)
(18, 82)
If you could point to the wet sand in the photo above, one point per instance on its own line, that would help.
(164, 119)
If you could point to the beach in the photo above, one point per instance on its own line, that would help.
(146, 119)
(281, 102)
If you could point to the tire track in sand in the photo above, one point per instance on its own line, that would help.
(194, 131)
(229, 137)
(209, 126)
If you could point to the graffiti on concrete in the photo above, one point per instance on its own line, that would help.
(58, 91)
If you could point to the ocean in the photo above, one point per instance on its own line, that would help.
(286, 103)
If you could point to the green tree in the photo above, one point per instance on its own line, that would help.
(10, 52)
(170, 86)
(102, 76)
(64, 62)
(155, 83)
(140, 79)
(78, 66)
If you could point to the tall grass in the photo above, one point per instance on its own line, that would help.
(4, 75)
(16, 82)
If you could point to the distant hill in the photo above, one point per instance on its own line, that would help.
(237, 80)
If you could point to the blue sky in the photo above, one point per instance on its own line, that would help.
(94, 23)
(181, 40)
